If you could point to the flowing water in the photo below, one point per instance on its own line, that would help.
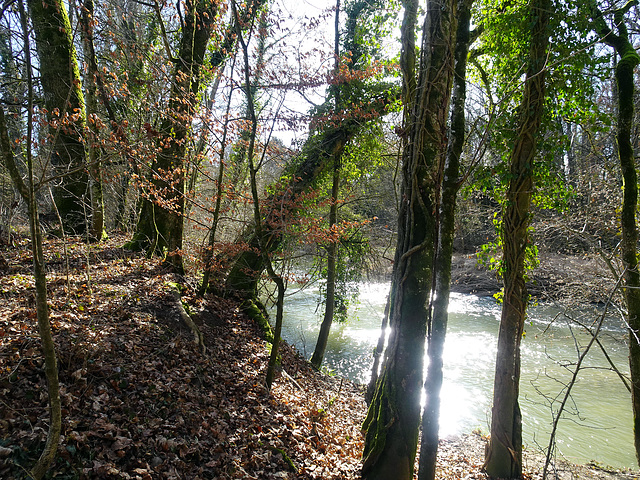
(597, 423)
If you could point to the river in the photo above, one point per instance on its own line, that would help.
(598, 423)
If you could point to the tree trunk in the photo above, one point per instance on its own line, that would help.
(332, 256)
(332, 248)
(323, 145)
(97, 229)
(161, 222)
(444, 251)
(393, 418)
(60, 79)
(28, 193)
(504, 453)
(243, 277)
(624, 73)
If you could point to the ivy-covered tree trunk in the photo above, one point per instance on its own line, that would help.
(64, 102)
(393, 418)
(624, 74)
(504, 452)
(444, 252)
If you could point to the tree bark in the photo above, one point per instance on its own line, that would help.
(332, 254)
(161, 222)
(444, 251)
(64, 102)
(160, 226)
(504, 453)
(97, 229)
(28, 192)
(624, 74)
(242, 279)
(332, 248)
(393, 417)
(324, 144)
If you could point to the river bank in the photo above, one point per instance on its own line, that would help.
(558, 278)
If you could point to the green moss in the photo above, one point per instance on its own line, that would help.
(256, 312)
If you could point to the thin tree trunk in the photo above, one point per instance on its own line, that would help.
(504, 453)
(208, 254)
(332, 256)
(444, 251)
(97, 228)
(332, 248)
(257, 216)
(28, 193)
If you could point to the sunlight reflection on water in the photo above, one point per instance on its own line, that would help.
(599, 423)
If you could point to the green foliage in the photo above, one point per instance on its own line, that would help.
(490, 255)
(353, 251)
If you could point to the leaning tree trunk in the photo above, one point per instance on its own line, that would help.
(323, 145)
(444, 252)
(624, 74)
(393, 418)
(504, 452)
(60, 79)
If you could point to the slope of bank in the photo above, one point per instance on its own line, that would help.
(141, 400)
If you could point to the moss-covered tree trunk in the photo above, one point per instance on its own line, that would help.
(625, 81)
(64, 102)
(245, 272)
(393, 418)
(444, 252)
(324, 144)
(624, 74)
(504, 453)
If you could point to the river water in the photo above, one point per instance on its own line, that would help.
(597, 423)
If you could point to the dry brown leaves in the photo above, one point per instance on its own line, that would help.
(140, 401)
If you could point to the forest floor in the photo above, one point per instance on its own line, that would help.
(141, 400)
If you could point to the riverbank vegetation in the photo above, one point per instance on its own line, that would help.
(227, 148)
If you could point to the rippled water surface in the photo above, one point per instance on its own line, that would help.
(598, 420)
